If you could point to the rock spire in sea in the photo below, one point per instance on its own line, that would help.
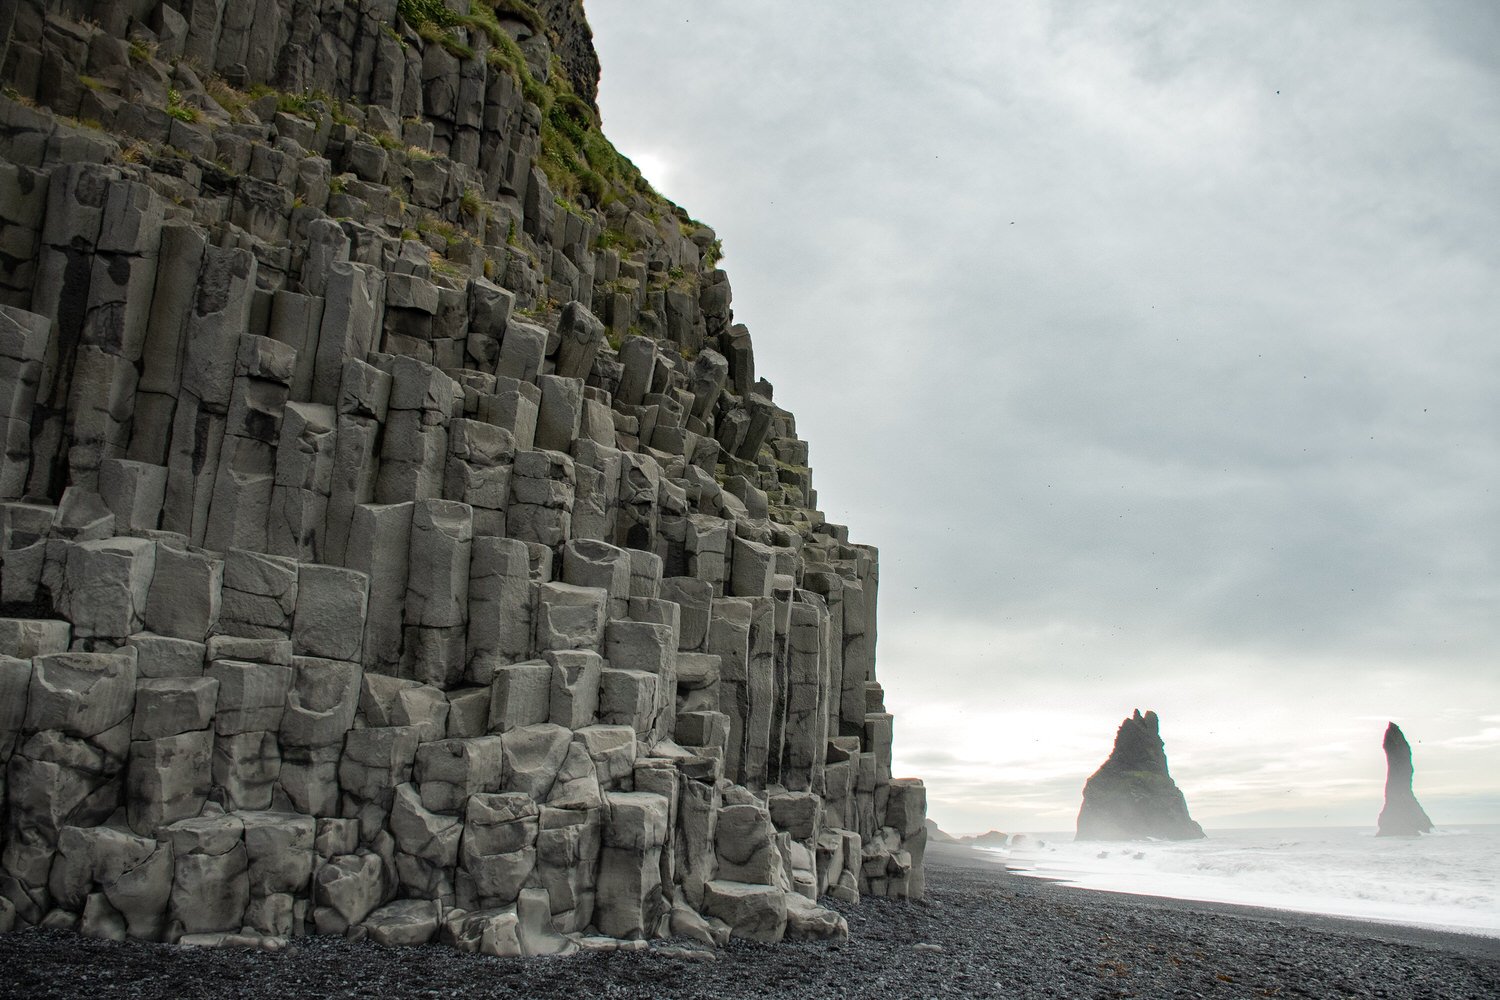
(1403, 815)
(1132, 796)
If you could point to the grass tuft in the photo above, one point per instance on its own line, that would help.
(177, 109)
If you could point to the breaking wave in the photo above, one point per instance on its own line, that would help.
(1448, 880)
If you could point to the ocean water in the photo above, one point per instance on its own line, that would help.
(1448, 880)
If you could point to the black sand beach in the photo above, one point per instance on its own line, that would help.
(981, 933)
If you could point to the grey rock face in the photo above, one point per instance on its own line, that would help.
(1402, 815)
(394, 540)
(1132, 796)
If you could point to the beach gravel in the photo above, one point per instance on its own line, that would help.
(981, 933)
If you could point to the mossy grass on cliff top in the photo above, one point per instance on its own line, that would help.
(419, 12)
(576, 156)
(588, 175)
(583, 167)
(483, 15)
(455, 46)
(581, 163)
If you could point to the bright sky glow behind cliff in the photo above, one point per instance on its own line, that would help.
(1158, 350)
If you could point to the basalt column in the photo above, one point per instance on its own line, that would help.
(396, 536)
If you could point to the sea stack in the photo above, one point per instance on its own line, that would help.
(1403, 815)
(1131, 796)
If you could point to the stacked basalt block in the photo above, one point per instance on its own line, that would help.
(374, 563)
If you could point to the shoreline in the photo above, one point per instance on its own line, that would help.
(1456, 940)
(982, 932)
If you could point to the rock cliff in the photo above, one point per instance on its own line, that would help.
(395, 536)
(1402, 815)
(1132, 796)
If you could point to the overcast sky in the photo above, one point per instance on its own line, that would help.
(1155, 345)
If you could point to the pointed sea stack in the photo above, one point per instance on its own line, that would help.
(1132, 797)
(1403, 815)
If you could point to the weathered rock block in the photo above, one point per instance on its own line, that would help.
(259, 595)
(347, 889)
(168, 780)
(81, 694)
(628, 698)
(745, 840)
(173, 705)
(393, 701)
(252, 696)
(534, 756)
(570, 617)
(449, 771)
(186, 593)
(210, 884)
(329, 618)
(246, 766)
(320, 703)
(106, 585)
(499, 629)
(754, 912)
(422, 833)
(573, 699)
(404, 923)
(499, 845)
(521, 695)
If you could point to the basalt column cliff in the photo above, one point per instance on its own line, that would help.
(397, 539)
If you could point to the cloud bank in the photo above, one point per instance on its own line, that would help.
(1155, 346)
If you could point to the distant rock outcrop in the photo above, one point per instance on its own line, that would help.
(1403, 815)
(1132, 797)
(994, 838)
(937, 836)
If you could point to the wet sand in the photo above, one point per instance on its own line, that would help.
(982, 932)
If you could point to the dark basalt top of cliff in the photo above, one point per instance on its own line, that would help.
(563, 21)
(575, 46)
(1132, 795)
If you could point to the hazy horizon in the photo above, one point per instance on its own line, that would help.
(1156, 349)
(1210, 830)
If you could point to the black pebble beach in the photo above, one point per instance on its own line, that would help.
(981, 933)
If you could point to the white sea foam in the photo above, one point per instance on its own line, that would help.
(1448, 880)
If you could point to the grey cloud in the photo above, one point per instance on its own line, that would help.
(1091, 329)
